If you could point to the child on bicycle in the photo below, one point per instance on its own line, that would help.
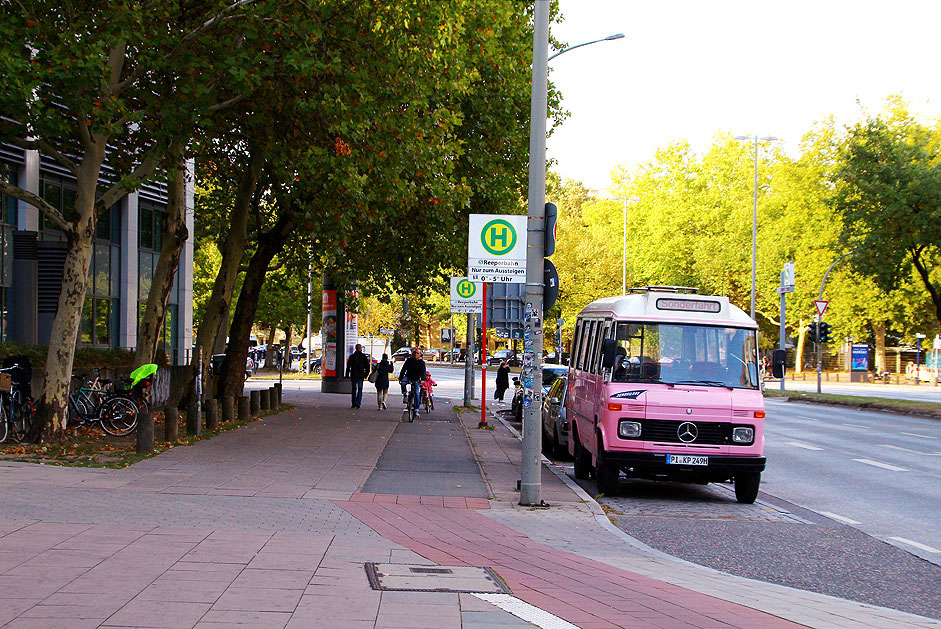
(427, 384)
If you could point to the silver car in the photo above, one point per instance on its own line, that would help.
(555, 426)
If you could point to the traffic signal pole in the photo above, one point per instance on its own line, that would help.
(819, 353)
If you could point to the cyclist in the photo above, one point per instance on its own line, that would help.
(413, 371)
(427, 384)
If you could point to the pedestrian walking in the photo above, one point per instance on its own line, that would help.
(382, 371)
(503, 380)
(357, 368)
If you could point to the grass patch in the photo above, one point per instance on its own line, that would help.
(910, 407)
(89, 446)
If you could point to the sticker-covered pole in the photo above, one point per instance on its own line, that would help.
(530, 465)
(483, 363)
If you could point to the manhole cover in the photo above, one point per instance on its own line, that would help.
(418, 578)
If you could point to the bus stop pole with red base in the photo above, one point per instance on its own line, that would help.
(483, 363)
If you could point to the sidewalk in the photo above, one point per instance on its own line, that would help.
(291, 521)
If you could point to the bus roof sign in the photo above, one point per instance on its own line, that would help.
(688, 305)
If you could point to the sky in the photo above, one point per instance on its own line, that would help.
(688, 70)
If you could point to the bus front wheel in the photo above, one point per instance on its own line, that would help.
(746, 487)
(606, 474)
(582, 460)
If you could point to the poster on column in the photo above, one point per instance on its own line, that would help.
(329, 333)
(351, 332)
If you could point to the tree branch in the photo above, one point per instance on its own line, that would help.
(227, 103)
(44, 147)
(53, 214)
(115, 192)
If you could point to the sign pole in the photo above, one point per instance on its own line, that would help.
(483, 363)
(782, 333)
(469, 362)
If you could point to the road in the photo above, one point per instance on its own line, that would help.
(849, 505)
(925, 392)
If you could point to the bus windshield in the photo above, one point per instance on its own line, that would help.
(673, 353)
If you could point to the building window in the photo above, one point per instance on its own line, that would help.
(60, 194)
(100, 316)
(8, 216)
(151, 222)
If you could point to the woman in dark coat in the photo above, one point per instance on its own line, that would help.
(503, 380)
(383, 369)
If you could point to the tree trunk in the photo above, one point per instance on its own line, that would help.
(270, 244)
(879, 331)
(53, 403)
(270, 354)
(174, 237)
(232, 250)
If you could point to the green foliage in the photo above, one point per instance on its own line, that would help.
(85, 357)
(888, 192)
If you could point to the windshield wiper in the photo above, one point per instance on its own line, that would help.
(714, 383)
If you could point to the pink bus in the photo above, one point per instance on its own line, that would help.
(664, 385)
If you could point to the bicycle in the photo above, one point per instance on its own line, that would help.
(116, 413)
(413, 401)
(428, 401)
(16, 406)
(137, 387)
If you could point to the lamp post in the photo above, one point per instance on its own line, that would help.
(754, 217)
(626, 200)
(530, 482)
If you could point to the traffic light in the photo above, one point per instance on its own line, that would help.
(551, 213)
(824, 332)
(478, 337)
(813, 332)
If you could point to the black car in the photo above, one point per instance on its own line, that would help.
(512, 360)
(550, 373)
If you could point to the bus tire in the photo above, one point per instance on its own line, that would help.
(746, 487)
(606, 474)
(582, 460)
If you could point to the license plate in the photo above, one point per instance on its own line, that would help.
(686, 459)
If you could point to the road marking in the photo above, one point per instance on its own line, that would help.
(798, 444)
(916, 544)
(884, 466)
(838, 517)
(885, 445)
(915, 434)
(524, 610)
(857, 426)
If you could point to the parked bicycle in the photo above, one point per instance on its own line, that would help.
(139, 384)
(16, 405)
(93, 403)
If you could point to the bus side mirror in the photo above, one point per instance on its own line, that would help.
(609, 348)
(777, 363)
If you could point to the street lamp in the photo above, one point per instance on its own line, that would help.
(754, 217)
(587, 43)
(530, 481)
(624, 254)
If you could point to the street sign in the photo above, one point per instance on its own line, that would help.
(467, 297)
(821, 306)
(496, 248)
(386, 331)
(788, 279)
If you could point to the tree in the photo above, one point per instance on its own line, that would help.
(86, 83)
(888, 192)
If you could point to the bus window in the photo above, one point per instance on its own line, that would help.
(675, 353)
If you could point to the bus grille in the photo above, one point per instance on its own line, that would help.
(662, 430)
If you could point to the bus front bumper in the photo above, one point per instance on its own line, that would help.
(654, 465)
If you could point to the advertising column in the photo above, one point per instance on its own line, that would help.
(334, 335)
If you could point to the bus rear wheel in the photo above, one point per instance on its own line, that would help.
(582, 460)
(746, 487)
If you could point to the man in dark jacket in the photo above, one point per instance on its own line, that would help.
(357, 369)
(413, 371)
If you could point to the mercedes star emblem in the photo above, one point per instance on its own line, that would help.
(687, 432)
(689, 411)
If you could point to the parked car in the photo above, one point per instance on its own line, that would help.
(550, 373)
(434, 355)
(498, 356)
(555, 425)
(316, 365)
(401, 354)
(215, 365)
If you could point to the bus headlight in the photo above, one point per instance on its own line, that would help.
(743, 435)
(628, 430)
